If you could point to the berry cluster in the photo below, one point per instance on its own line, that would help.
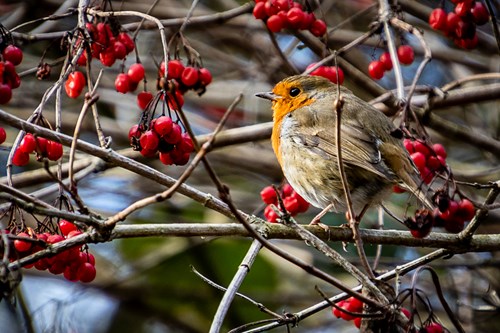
(9, 79)
(286, 14)
(452, 214)
(460, 25)
(76, 264)
(292, 201)
(185, 78)
(38, 145)
(75, 84)
(129, 81)
(105, 44)
(329, 72)
(428, 160)
(352, 305)
(377, 68)
(163, 136)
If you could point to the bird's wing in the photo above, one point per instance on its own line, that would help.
(359, 147)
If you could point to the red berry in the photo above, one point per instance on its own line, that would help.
(295, 16)
(189, 76)
(259, 11)
(175, 101)
(82, 60)
(303, 204)
(466, 209)
(5, 93)
(107, 57)
(275, 23)
(409, 145)
(463, 8)
(437, 19)
(331, 73)
(143, 99)
(205, 77)
(433, 163)
(180, 158)
(270, 214)
(450, 212)
(13, 54)
(149, 140)
(74, 84)
(308, 21)
(122, 83)
(357, 322)
(175, 69)
(452, 20)
(54, 150)
(136, 72)
(422, 148)
(165, 158)
(385, 58)
(271, 8)
(186, 144)
(41, 145)
(336, 312)
(127, 41)
(20, 158)
(355, 305)
(480, 13)
(86, 272)
(318, 28)
(287, 190)
(119, 50)
(3, 135)
(163, 125)
(20, 245)
(66, 227)
(439, 150)
(84, 257)
(28, 144)
(419, 160)
(376, 69)
(406, 54)
(174, 136)
(291, 205)
(134, 132)
(268, 195)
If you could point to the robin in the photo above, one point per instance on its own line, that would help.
(304, 141)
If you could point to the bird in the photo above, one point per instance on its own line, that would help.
(304, 142)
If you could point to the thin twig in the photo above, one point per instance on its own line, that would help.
(235, 284)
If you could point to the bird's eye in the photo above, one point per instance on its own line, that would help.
(294, 92)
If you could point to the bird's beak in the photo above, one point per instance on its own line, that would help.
(267, 95)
